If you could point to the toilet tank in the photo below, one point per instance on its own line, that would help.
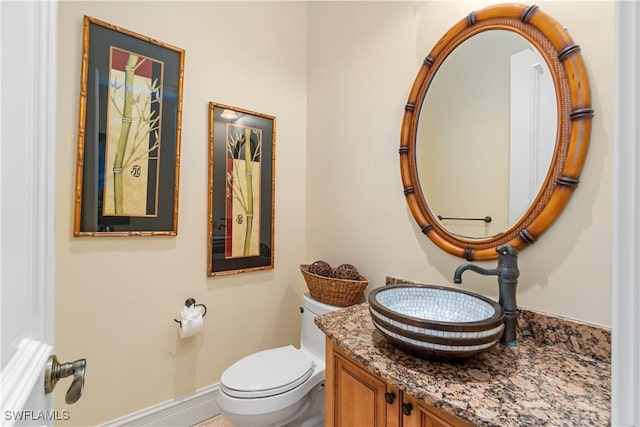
(311, 337)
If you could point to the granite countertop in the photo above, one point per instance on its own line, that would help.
(559, 375)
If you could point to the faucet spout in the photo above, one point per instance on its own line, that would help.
(507, 273)
(457, 276)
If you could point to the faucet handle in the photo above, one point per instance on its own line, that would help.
(507, 250)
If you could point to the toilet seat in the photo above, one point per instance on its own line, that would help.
(267, 373)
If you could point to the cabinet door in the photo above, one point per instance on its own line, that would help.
(418, 414)
(356, 398)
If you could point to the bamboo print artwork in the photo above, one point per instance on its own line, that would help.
(244, 149)
(133, 135)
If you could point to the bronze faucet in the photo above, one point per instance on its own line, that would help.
(507, 272)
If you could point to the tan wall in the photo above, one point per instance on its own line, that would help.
(363, 58)
(337, 84)
(117, 297)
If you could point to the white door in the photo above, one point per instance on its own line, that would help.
(533, 129)
(28, 38)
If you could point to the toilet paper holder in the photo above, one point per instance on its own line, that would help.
(192, 302)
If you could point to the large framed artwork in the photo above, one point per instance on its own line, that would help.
(241, 190)
(129, 128)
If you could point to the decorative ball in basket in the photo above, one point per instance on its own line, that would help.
(342, 286)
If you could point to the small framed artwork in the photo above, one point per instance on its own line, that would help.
(241, 190)
(128, 149)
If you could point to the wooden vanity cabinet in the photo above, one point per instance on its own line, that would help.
(354, 397)
(424, 415)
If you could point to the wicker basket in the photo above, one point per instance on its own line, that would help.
(332, 291)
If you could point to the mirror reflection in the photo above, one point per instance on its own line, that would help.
(486, 133)
(484, 140)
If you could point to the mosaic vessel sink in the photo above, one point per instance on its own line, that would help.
(435, 321)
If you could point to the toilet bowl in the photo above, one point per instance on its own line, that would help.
(280, 386)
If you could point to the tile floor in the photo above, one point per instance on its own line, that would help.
(218, 421)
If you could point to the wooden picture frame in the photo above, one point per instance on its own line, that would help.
(241, 190)
(129, 129)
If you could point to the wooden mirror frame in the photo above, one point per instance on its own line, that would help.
(575, 114)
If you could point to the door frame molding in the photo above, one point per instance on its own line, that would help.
(625, 274)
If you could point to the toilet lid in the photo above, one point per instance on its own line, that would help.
(267, 373)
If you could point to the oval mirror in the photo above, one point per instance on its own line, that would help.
(495, 131)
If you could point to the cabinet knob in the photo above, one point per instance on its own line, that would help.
(390, 397)
(407, 408)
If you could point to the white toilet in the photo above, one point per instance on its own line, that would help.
(282, 386)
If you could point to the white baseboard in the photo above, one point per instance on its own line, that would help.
(183, 411)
